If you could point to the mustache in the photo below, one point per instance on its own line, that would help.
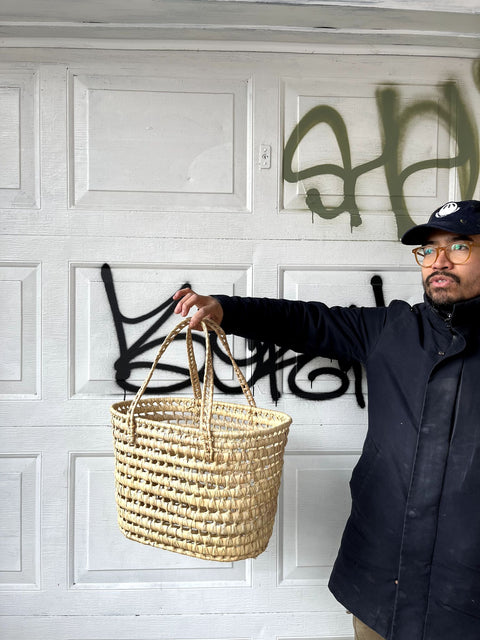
(452, 276)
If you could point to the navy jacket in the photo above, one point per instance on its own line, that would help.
(409, 560)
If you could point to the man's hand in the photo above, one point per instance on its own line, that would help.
(208, 307)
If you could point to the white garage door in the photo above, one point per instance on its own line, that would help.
(125, 175)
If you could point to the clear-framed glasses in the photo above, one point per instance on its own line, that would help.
(457, 252)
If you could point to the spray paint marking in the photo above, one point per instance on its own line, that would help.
(394, 124)
(264, 359)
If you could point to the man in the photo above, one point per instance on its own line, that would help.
(408, 567)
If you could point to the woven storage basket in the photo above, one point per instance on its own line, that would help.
(196, 475)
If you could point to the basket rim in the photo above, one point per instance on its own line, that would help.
(121, 408)
(119, 423)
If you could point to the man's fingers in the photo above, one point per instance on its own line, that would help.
(186, 301)
(198, 316)
(181, 292)
(208, 307)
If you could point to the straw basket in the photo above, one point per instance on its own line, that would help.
(196, 475)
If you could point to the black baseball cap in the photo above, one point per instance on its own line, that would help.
(456, 217)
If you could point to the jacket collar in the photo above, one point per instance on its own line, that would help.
(462, 315)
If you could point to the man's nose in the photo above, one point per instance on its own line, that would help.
(442, 261)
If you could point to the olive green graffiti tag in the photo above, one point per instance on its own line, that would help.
(394, 125)
(348, 174)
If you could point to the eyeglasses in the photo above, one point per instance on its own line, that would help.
(456, 253)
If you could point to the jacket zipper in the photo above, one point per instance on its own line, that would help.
(448, 321)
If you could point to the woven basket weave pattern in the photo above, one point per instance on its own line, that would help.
(198, 476)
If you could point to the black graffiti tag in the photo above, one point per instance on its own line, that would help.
(265, 360)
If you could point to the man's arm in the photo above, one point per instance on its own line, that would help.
(305, 327)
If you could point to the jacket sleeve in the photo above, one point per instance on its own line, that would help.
(305, 327)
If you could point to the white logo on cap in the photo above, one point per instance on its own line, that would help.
(447, 209)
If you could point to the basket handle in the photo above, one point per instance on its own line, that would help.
(210, 324)
(205, 395)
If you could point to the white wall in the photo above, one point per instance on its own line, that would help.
(150, 162)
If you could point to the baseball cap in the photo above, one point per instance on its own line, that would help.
(456, 217)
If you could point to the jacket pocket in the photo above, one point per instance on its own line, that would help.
(364, 468)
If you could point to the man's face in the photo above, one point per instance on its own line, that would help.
(447, 283)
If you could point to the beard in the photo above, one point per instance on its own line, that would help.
(440, 298)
